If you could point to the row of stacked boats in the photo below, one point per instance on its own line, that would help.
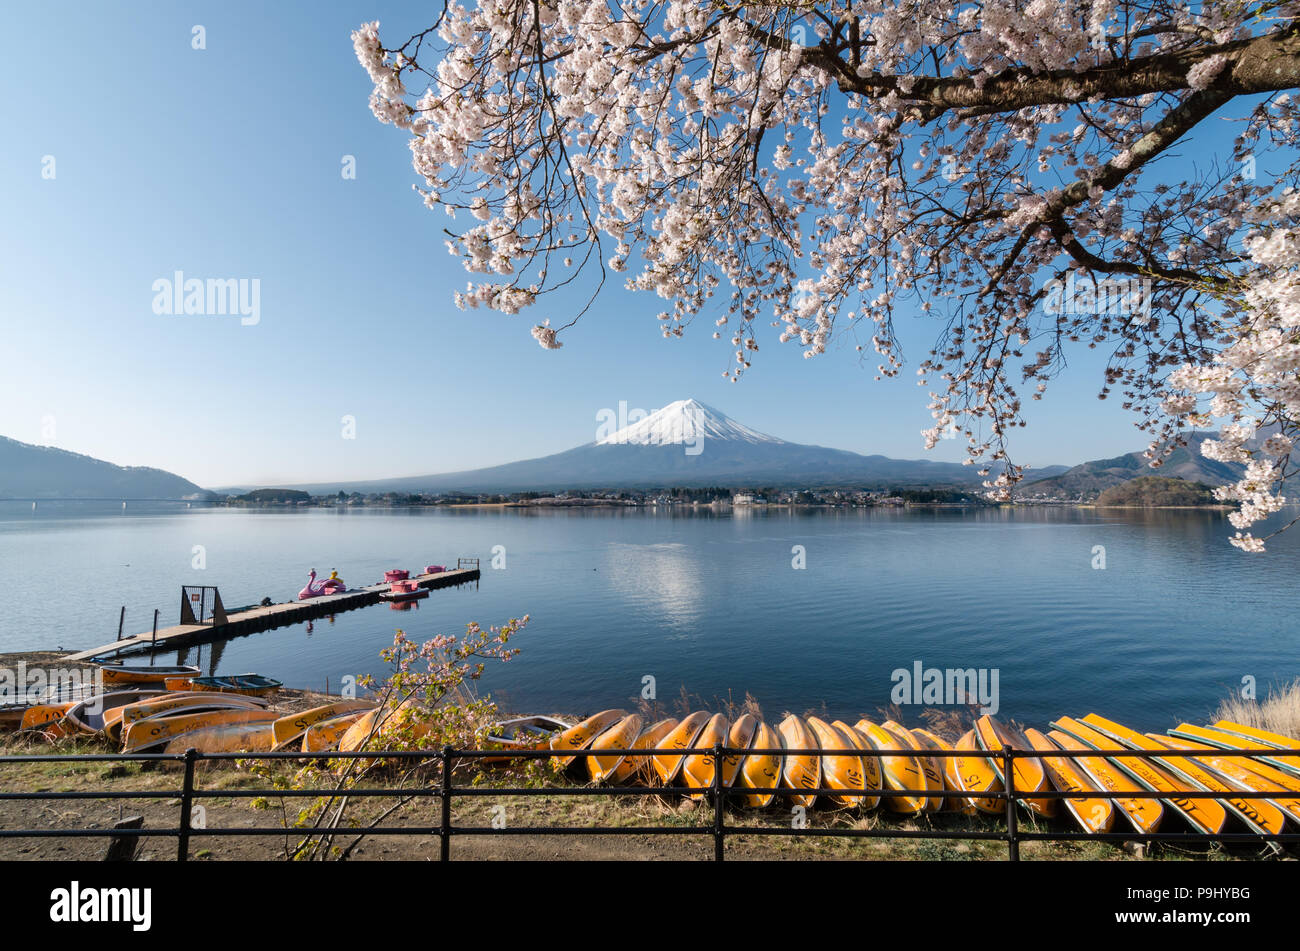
(868, 765)
(801, 761)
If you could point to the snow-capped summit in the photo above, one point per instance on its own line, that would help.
(680, 422)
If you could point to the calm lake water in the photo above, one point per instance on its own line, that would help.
(705, 601)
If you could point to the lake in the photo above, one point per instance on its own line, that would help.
(706, 601)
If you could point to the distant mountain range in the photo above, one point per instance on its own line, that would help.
(1090, 478)
(687, 444)
(43, 472)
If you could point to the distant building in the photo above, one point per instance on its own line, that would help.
(742, 500)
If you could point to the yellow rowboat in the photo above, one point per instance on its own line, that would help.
(930, 767)
(1258, 777)
(119, 676)
(800, 771)
(45, 717)
(900, 772)
(870, 763)
(975, 774)
(698, 768)
(618, 739)
(1231, 741)
(38, 714)
(682, 736)
(119, 718)
(761, 771)
(1254, 733)
(388, 718)
(1144, 814)
(739, 737)
(288, 730)
(1093, 815)
(638, 766)
(1259, 814)
(932, 741)
(839, 772)
(233, 738)
(1205, 815)
(579, 737)
(1028, 772)
(145, 735)
(326, 734)
(89, 715)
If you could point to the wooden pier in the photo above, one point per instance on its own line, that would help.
(254, 620)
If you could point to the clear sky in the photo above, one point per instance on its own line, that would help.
(226, 162)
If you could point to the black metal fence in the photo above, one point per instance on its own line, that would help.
(719, 793)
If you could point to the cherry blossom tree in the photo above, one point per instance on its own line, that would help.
(1033, 176)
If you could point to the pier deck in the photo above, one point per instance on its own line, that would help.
(256, 619)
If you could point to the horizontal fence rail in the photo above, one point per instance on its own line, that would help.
(718, 791)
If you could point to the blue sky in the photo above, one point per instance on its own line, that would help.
(226, 162)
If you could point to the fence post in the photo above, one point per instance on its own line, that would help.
(444, 842)
(1013, 843)
(719, 805)
(187, 803)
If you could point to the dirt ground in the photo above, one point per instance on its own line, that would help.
(477, 811)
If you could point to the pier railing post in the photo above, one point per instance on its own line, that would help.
(1013, 843)
(719, 806)
(444, 830)
(187, 805)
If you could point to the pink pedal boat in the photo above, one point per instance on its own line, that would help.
(404, 590)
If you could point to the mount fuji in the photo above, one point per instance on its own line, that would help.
(686, 443)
